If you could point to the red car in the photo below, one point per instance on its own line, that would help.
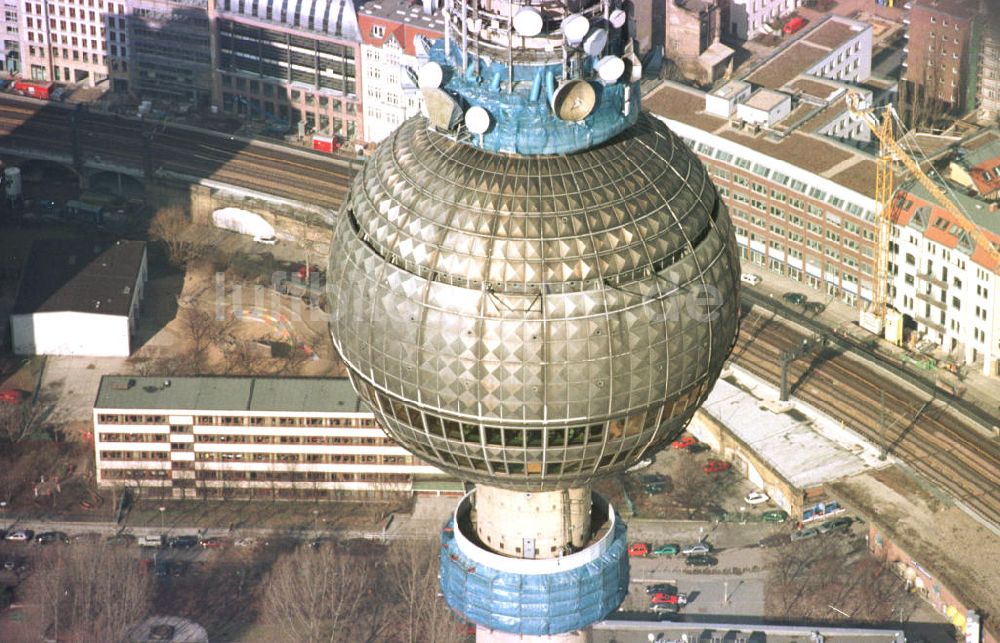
(212, 543)
(662, 598)
(684, 442)
(793, 25)
(638, 549)
(13, 396)
(716, 466)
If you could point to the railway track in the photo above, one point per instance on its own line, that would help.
(317, 181)
(921, 432)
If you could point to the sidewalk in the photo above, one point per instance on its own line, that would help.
(980, 391)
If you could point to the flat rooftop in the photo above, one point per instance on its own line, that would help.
(403, 12)
(811, 152)
(807, 451)
(766, 99)
(804, 53)
(78, 275)
(730, 89)
(264, 394)
(622, 631)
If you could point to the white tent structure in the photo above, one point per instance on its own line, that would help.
(244, 222)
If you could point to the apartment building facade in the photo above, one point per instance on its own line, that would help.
(395, 34)
(745, 19)
(944, 281)
(229, 437)
(988, 74)
(170, 51)
(10, 40)
(293, 62)
(940, 52)
(69, 40)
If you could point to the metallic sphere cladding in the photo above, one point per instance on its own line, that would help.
(533, 322)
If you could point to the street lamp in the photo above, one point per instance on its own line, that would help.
(162, 511)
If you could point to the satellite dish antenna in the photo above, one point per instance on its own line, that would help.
(595, 42)
(477, 120)
(574, 100)
(442, 110)
(528, 22)
(575, 27)
(617, 18)
(430, 76)
(610, 68)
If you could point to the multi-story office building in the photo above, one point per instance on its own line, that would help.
(170, 55)
(394, 33)
(10, 42)
(988, 73)
(802, 203)
(940, 52)
(745, 19)
(223, 437)
(944, 281)
(291, 61)
(69, 40)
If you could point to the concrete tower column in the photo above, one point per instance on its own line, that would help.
(527, 524)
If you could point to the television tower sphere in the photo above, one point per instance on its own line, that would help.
(533, 321)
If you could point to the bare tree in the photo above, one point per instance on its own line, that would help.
(320, 594)
(170, 226)
(18, 421)
(808, 576)
(88, 592)
(421, 615)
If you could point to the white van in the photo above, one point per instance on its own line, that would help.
(751, 279)
(151, 541)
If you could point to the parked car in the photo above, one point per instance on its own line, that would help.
(212, 543)
(638, 549)
(670, 549)
(755, 498)
(47, 537)
(656, 588)
(716, 466)
(668, 599)
(696, 548)
(794, 25)
(836, 524)
(664, 608)
(794, 298)
(701, 560)
(775, 515)
(804, 534)
(640, 465)
(749, 278)
(156, 540)
(245, 542)
(20, 535)
(653, 483)
(683, 442)
(13, 396)
(183, 542)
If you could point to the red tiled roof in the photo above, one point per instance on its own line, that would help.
(902, 216)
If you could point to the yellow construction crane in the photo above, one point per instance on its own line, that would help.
(891, 150)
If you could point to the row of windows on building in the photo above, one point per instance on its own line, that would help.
(237, 420)
(308, 458)
(133, 475)
(328, 440)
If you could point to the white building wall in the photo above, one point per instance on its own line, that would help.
(747, 17)
(955, 304)
(235, 449)
(71, 333)
(387, 102)
(850, 62)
